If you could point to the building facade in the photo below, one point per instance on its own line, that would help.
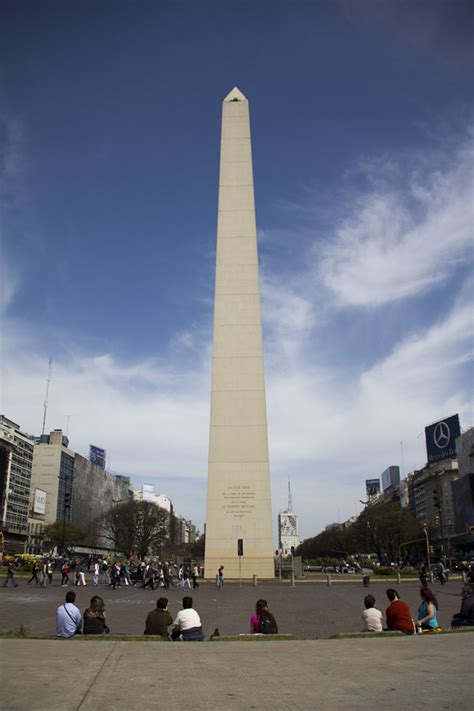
(65, 486)
(147, 493)
(185, 531)
(16, 459)
(463, 493)
(431, 500)
(288, 534)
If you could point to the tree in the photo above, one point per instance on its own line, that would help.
(136, 527)
(382, 527)
(53, 535)
(334, 542)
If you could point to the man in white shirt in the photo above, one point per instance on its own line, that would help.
(68, 617)
(372, 618)
(187, 624)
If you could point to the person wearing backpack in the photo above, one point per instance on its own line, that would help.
(263, 622)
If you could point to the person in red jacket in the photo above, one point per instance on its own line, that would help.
(398, 614)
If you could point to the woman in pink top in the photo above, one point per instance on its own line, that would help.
(255, 619)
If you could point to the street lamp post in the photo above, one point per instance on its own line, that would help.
(425, 528)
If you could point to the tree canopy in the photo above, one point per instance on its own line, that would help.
(53, 534)
(381, 528)
(139, 527)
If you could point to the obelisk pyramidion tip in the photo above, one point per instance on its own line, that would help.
(235, 95)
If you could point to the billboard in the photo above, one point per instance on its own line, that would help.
(441, 439)
(39, 505)
(372, 487)
(97, 456)
(390, 478)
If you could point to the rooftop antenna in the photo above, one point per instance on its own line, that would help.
(290, 502)
(48, 380)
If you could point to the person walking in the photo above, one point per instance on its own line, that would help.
(50, 572)
(423, 575)
(65, 574)
(195, 576)
(95, 574)
(220, 578)
(105, 572)
(80, 575)
(10, 575)
(186, 578)
(125, 572)
(34, 573)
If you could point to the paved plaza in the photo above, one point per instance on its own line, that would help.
(310, 610)
(311, 673)
(414, 673)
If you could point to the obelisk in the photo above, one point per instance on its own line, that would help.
(238, 490)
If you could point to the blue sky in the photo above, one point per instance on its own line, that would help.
(362, 129)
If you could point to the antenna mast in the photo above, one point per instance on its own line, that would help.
(48, 380)
(290, 502)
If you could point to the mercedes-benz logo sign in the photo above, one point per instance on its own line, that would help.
(441, 435)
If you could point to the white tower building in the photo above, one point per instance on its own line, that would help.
(288, 535)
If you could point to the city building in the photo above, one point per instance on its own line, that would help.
(184, 531)
(390, 479)
(16, 459)
(147, 493)
(463, 494)
(65, 486)
(288, 534)
(430, 494)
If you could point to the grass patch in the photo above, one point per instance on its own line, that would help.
(362, 635)
(255, 638)
(395, 633)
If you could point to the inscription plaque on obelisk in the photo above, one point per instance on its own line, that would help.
(238, 493)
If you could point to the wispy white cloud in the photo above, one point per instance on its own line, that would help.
(403, 236)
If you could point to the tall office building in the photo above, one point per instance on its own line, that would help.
(16, 459)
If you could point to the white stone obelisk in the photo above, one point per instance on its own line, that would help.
(238, 493)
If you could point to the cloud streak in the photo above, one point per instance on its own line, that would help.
(401, 239)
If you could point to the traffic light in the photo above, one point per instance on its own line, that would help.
(436, 520)
(67, 501)
(431, 550)
(436, 500)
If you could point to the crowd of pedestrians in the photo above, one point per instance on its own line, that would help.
(111, 573)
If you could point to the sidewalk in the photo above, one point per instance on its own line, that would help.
(412, 672)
